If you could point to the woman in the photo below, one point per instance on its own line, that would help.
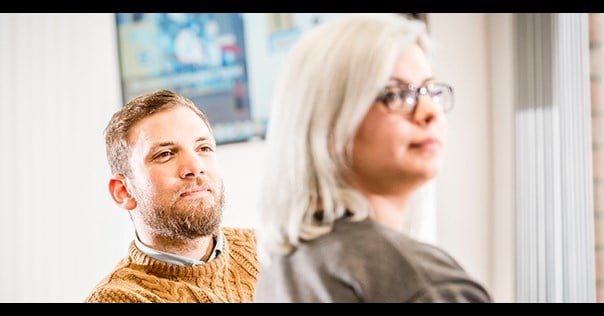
(357, 127)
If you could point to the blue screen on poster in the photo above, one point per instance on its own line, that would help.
(199, 55)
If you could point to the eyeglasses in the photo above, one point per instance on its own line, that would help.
(403, 98)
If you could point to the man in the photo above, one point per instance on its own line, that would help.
(162, 156)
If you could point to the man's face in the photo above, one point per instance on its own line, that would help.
(175, 176)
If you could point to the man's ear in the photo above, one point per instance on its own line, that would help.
(118, 189)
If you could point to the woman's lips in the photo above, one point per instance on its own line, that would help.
(427, 144)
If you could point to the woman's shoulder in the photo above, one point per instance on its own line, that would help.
(397, 250)
(380, 260)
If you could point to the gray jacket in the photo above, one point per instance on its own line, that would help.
(366, 262)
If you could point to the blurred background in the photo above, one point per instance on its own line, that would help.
(518, 201)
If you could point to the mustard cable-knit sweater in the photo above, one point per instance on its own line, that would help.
(231, 277)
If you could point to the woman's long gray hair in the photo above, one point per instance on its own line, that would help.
(328, 82)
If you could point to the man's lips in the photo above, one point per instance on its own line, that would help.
(195, 191)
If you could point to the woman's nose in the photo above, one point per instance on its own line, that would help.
(425, 110)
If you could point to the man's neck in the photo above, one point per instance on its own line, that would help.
(197, 249)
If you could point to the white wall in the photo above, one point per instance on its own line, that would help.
(59, 85)
(464, 184)
(501, 61)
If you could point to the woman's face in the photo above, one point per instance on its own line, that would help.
(396, 151)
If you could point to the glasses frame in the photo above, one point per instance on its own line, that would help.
(404, 94)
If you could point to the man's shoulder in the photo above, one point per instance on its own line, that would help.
(111, 293)
(242, 248)
(122, 287)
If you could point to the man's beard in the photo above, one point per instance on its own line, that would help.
(196, 218)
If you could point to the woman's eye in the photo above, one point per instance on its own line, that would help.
(436, 92)
(410, 97)
(390, 96)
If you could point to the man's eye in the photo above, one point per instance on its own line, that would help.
(163, 155)
(206, 148)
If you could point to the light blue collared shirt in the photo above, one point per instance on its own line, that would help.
(176, 259)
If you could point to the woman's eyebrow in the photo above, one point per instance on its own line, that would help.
(401, 81)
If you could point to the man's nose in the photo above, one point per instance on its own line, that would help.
(192, 165)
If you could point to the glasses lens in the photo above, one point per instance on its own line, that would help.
(391, 98)
(398, 100)
(410, 97)
(404, 98)
(442, 95)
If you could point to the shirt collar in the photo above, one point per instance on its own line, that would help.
(176, 259)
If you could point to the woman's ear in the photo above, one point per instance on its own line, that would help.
(118, 189)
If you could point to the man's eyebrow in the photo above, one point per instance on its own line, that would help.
(199, 139)
(203, 138)
(163, 144)
(171, 143)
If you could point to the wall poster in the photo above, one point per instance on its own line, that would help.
(199, 55)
